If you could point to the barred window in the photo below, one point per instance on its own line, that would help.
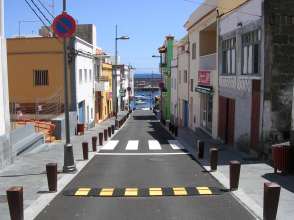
(229, 56)
(40, 78)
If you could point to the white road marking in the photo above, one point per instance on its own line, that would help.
(142, 154)
(110, 145)
(154, 145)
(175, 145)
(132, 145)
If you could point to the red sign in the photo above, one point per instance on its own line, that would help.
(204, 78)
(64, 25)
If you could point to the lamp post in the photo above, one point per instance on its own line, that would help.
(69, 163)
(114, 81)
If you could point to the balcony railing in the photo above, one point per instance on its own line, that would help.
(102, 86)
(207, 62)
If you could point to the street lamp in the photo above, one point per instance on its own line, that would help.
(114, 81)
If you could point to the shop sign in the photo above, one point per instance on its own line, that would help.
(204, 78)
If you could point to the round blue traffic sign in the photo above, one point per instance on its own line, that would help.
(64, 25)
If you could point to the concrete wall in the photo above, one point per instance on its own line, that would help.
(279, 68)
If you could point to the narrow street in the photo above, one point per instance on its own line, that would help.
(143, 156)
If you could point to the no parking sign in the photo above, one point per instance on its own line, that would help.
(64, 25)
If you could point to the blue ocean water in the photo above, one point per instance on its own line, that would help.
(144, 99)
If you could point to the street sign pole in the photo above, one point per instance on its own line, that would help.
(69, 163)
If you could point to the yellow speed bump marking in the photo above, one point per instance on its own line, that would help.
(179, 191)
(155, 191)
(204, 190)
(131, 192)
(82, 191)
(106, 191)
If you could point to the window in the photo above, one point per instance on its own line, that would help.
(175, 83)
(86, 75)
(80, 75)
(191, 85)
(90, 75)
(40, 78)
(229, 56)
(180, 80)
(185, 76)
(251, 52)
(193, 51)
(91, 113)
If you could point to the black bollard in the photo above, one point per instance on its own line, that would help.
(200, 148)
(112, 129)
(271, 198)
(94, 143)
(101, 138)
(105, 134)
(51, 169)
(176, 131)
(15, 202)
(213, 159)
(109, 131)
(235, 167)
(85, 150)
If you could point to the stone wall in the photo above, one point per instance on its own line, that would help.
(279, 67)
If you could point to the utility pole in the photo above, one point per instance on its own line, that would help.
(69, 163)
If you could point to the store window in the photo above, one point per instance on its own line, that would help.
(206, 112)
(229, 56)
(251, 52)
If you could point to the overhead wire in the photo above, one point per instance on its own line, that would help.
(44, 16)
(46, 9)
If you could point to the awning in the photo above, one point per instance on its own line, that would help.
(205, 90)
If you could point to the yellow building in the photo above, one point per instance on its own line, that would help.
(104, 93)
(35, 70)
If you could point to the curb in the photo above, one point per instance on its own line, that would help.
(43, 201)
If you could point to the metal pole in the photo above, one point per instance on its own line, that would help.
(69, 163)
(114, 80)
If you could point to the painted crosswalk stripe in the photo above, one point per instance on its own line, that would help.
(110, 145)
(175, 145)
(154, 145)
(132, 145)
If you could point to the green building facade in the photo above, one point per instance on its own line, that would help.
(166, 52)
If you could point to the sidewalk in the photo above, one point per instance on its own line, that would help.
(252, 177)
(29, 171)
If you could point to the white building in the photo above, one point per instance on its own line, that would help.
(5, 147)
(85, 78)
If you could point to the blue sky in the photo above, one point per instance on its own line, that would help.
(147, 22)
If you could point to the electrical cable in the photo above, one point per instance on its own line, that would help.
(44, 16)
(46, 9)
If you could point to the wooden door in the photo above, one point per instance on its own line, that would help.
(255, 114)
(222, 118)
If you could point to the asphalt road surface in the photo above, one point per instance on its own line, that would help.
(143, 155)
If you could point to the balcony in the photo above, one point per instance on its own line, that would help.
(102, 86)
(207, 62)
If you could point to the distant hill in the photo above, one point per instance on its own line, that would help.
(147, 75)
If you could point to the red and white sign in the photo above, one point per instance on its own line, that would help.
(204, 78)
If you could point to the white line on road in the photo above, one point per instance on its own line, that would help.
(142, 154)
(132, 145)
(154, 145)
(110, 145)
(175, 145)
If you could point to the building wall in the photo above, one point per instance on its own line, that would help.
(279, 68)
(28, 54)
(85, 87)
(227, 5)
(174, 84)
(239, 87)
(5, 145)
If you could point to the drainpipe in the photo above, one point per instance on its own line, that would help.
(189, 74)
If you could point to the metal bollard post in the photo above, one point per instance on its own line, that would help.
(271, 198)
(105, 134)
(101, 138)
(200, 148)
(94, 143)
(109, 131)
(213, 159)
(176, 131)
(15, 202)
(85, 150)
(112, 129)
(51, 170)
(235, 167)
